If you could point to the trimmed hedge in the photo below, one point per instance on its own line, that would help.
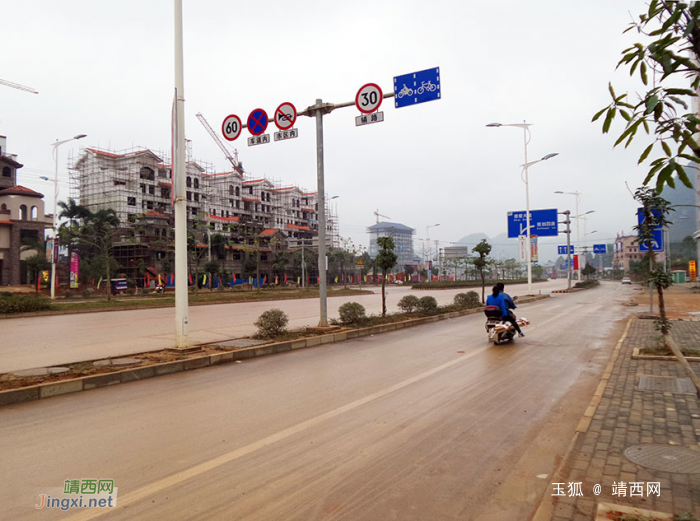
(271, 323)
(24, 304)
(427, 306)
(408, 303)
(446, 284)
(470, 299)
(352, 313)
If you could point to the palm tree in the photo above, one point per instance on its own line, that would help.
(72, 211)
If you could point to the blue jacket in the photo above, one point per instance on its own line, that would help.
(509, 301)
(497, 301)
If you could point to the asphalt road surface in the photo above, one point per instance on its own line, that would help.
(31, 342)
(429, 423)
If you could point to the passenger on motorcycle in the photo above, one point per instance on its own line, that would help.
(506, 303)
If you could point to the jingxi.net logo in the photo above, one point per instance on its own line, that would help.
(80, 493)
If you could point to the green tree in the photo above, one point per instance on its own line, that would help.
(482, 249)
(386, 260)
(671, 53)
(656, 209)
(409, 271)
(588, 271)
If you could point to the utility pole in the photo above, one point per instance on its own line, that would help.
(567, 221)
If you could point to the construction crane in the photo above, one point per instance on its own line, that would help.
(380, 215)
(17, 86)
(215, 137)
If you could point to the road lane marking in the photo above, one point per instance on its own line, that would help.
(179, 477)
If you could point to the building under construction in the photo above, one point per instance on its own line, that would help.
(251, 214)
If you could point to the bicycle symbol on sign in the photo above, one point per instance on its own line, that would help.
(406, 91)
(426, 86)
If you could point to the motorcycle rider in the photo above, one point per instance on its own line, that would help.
(510, 306)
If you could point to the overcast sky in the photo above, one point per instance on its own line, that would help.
(105, 69)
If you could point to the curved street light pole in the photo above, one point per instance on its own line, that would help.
(54, 249)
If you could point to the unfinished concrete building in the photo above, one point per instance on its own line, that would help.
(247, 212)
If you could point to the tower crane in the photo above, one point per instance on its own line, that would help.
(233, 159)
(376, 212)
(17, 86)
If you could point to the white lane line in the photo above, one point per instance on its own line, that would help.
(175, 479)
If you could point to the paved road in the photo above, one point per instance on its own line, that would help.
(430, 423)
(26, 343)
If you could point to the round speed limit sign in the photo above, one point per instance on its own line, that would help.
(368, 98)
(231, 127)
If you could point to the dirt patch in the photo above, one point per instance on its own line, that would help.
(10, 381)
(682, 300)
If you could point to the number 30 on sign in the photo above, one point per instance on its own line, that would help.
(369, 98)
(231, 127)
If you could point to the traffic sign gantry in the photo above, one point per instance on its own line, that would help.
(257, 122)
(285, 116)
(231, 127)
(369, 98)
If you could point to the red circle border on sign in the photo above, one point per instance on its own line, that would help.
(266, 123)
(293, 120)
(240, 127)
(381, 98)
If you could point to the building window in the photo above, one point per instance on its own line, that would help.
(230, 190)
(149, 205)
(23, 212)
(250, 190)
(194, 211)
(131, 201)
(213, 211)
(189, 196)
(7, 172)
(147, 173)
(152, 190)
(143, 189)
(189, 182)
(196, 183)
(35, 213)
(165, 192)
(196, 196)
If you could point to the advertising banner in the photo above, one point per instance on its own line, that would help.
(74, 268)
(692, 268)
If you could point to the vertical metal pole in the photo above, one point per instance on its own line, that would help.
(55, 227)
(321, 215)
(527, 210)
(568, 249)
(303, 274)
(578, 240)
(180, 201)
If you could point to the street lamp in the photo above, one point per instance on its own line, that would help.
(54, 250)
(526, 139)
(427, 238)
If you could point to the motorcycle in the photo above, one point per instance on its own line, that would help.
(500, 332)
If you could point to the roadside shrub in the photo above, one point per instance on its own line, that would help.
(408, 304)
(145, 291)
(271, 323)
(469, 299)
(427, 305)
(88, 292)
(352, 313)
(24, 304)
(5, 294)
(69, 294)
(131, 292)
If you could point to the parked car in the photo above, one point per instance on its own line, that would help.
(626, 280)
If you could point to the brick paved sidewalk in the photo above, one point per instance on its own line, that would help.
(626, 416)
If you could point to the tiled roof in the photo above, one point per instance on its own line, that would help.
(253, 181)
(249, 200)
(20, 190)
(10, 161)
(220, 218)
(268, 231)
(153, 213)
(295, 227)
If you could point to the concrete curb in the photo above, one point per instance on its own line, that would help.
(545, 509)
(85, 383)
(668, 358)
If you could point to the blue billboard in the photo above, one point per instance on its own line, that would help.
(543, 223)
